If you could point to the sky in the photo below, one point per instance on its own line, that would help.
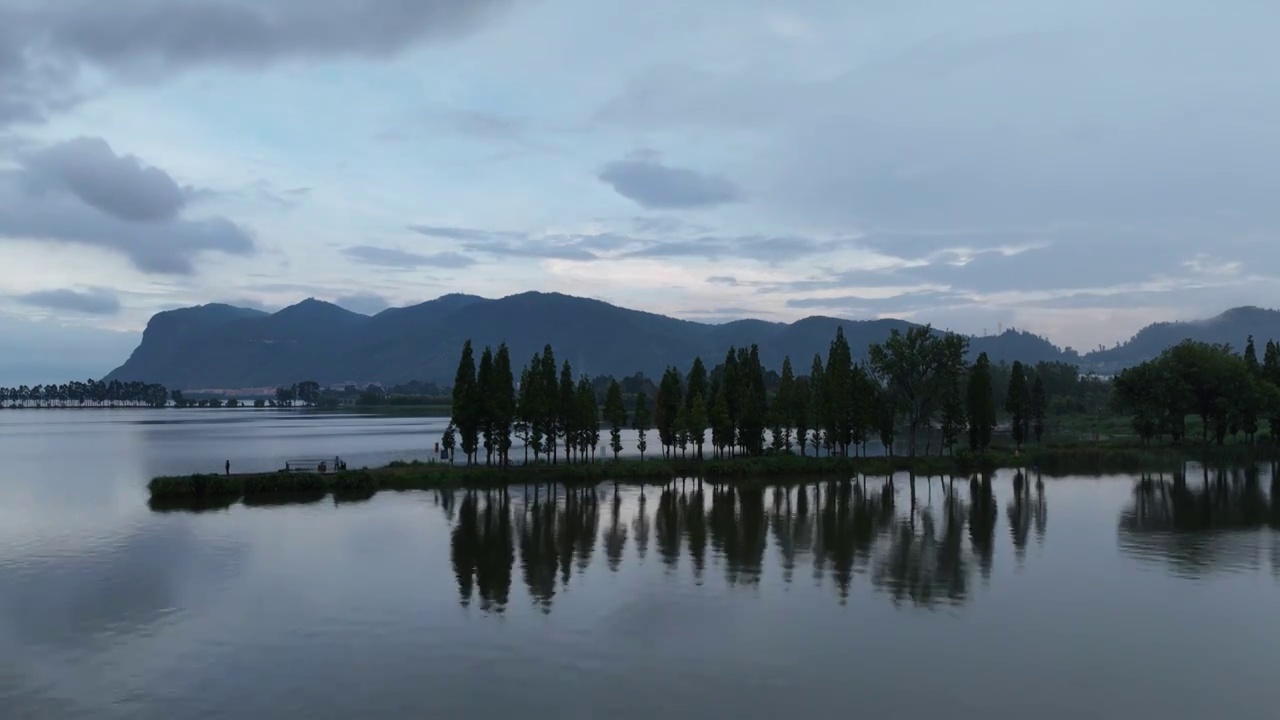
(1076, 168)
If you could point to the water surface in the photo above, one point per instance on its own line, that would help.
(1104, 597)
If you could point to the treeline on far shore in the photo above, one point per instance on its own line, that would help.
(912, 388)
(87, 393)
(910, 383)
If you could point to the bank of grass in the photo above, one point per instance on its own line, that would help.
(358, 485)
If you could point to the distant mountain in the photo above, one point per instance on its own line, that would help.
(1233, 326)
(219, 346)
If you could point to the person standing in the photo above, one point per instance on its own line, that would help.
(228, 467)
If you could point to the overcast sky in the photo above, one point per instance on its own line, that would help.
(1077, 168)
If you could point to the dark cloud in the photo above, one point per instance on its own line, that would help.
(365, 303)
(654, 185)
(119, 185)
(43, 45)
(56, 195)
(95, 301)
(390, 257)
(726, 280)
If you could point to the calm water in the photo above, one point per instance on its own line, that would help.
(1098, 597)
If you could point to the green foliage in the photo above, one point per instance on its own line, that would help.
(641, 421)
(487, 409)
(916, 370)
(1018, 405)
(697, 422)
(467, 411)
(615, 413)
(1230, 393)
(980, 406)
(667, 408)
(1039, 404)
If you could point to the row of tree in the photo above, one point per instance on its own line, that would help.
(1230, 393)
(912, 383)
(90, 393)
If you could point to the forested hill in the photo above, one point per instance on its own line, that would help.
(1232, 327)
(219, 346)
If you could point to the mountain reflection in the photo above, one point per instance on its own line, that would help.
(916, 548)
(1193, 523)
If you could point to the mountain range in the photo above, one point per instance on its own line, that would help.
(222, 346)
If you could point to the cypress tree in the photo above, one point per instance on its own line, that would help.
(640, 421)
(696, 383)
(981, 405)
(1018, 404)
(615, 413)
(670, 400)
(698, 423)
(784, 406)
(818, 406)
(567, 410)
(504, 402)
(466, 413)
(547, 401)
(488, 405)
(721, 423)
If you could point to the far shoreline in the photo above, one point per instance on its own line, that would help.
(223, 490)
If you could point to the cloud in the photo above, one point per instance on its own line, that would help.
(390, 257)
(507, 244)
(44, 46)
(95, 301)
(119, 185)
(657, 186)
(365, 303)
(81, 192)
(747, 247)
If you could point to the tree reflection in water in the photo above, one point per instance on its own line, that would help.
(844, 529)
(1196, 523)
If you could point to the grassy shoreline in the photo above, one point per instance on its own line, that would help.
(363, 483)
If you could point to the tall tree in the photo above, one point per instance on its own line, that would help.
(784, 404)
(915, 369)
(466, 399)
(721, 423)
(696, 383)
(484, 386)
(698, 423)
(503, 399)
(548, 401)
(640, 420)
(1271, 374)
(981, 405)
(818, 401)
(667, 407)
(615, 413)
(953, 415)
(1039, 403)
(837, 388)
(1251, 358)
(1018, 404)
(567, 409)
(526, 421)
(588, 415)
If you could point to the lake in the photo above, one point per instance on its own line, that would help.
(1048, 598)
